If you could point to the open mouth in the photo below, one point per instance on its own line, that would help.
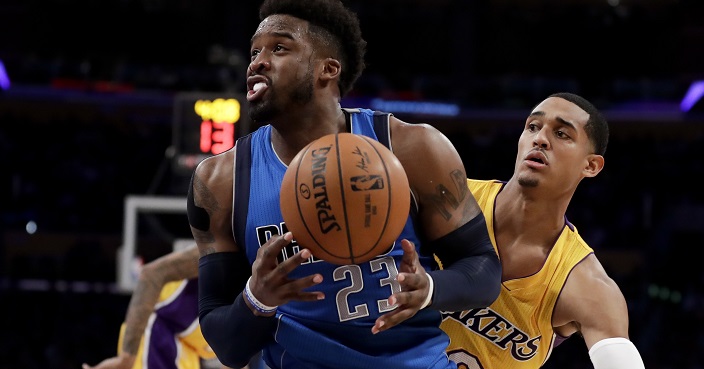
(256, 86)
(537, 157)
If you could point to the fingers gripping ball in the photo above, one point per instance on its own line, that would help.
(346, 198)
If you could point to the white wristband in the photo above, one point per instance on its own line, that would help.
(264, 309)
(431, 289)
(615, 353)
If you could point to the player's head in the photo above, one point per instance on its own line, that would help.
(301, 46)
(334, 28)
(564, 139)
(597, 128)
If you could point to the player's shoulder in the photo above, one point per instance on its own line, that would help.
(216, 163)
(214, 174)
(225, 161)
(422, 147)
(418, 127)
(590, 281)
(423, 138)
(591, 271)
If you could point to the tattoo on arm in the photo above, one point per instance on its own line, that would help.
(204, 197)
(444, 199)
(460, 180)
(202, 237)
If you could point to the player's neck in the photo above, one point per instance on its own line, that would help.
(292, 133)
(526, 211)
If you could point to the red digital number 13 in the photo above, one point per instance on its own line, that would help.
(216, 138)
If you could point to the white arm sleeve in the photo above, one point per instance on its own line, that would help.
(615, 353)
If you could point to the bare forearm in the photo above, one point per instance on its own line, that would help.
(142, 303)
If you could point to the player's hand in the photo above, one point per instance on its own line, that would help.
(270, 283)
(414, 289)
(122, 361)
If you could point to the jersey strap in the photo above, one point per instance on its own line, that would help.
(241, 183)
(381, 128)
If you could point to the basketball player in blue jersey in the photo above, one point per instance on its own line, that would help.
(553, 285)
(161, 329)
(259, 289)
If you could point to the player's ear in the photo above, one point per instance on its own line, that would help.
(595, 163)
(331, 69)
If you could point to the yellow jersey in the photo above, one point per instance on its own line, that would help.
(514, 332)
(172, 338)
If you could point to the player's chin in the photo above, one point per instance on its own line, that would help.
(260, 110)
(528, 181)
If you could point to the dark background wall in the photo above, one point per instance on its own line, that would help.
(88, 120)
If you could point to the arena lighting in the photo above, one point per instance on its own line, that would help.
(4, 78)
(694, 94)
(416, 107)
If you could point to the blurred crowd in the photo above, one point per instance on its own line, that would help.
(67, 175)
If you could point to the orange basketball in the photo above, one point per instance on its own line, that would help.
(346, 198)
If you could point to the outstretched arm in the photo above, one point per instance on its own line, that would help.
(451, 220)
(452, 224)
(592, 304)
(152, 278)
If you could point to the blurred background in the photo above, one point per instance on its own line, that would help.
(105, 101)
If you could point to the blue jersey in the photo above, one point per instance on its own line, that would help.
(334, 332)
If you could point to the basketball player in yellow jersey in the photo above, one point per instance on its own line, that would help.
(553, 285)
(161, 329)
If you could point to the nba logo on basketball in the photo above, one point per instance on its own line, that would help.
(365, 183)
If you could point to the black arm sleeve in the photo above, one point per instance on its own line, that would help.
(198, 218)
(471, 274)
(231, 329)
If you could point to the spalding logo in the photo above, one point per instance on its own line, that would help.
(326, 217)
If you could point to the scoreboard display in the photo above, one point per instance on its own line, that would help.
(205, 124)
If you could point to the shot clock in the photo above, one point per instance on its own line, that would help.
(205, 124)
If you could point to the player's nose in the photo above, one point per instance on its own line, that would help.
(541, 139)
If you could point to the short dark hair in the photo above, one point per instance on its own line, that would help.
(333, 22)
(597, 127)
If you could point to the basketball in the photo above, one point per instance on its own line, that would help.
(346, 198)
